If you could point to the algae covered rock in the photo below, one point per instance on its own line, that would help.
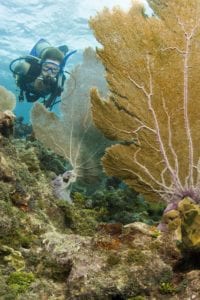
(6, 172)
(50, 249)
(13, 258)
(107, 265)
(190, 225)
(182, 221)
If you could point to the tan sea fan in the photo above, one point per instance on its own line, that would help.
(73, 134)
(7, 99)
(152, 66)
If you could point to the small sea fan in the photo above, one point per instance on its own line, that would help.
(7, 99)
(73, 134)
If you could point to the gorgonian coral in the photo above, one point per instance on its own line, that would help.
(152, 66)
(7, 99)
(73, 134)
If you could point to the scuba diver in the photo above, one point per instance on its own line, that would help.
(41, 73)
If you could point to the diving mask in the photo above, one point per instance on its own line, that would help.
(51, 68)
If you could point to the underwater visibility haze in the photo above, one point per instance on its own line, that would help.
(60, 22)
(100, 198)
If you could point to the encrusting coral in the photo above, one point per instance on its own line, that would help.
(152, 65)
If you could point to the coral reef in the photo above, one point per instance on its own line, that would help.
(152, 72)
(51, 249)
(123, 205)
(57, 250)
(21, 129)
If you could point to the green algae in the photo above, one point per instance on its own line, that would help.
(137, 298)
(13, 258)
(113, 259)
(19, 282)
(80, 219)
(167, 288)
(136, 256)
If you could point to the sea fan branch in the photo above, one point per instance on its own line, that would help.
(170, 138)
(162, 97)
(149, 95)
(149, 173)
(186, 100)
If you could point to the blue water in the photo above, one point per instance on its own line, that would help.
(60, 22)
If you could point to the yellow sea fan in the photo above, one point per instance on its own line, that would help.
(152, 66)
